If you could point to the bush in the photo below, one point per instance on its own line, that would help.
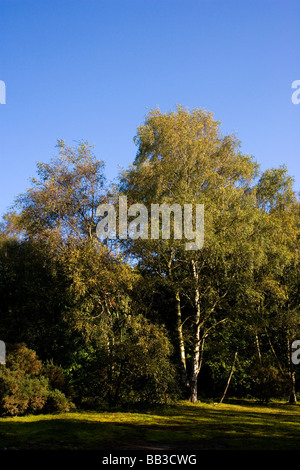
(22, 394)
(23, 388)
(146, 373)
(56, 376)
(57, 402)
(23, 360)
(136, 368)
(270, 382)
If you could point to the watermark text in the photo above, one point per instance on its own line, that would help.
(296, 352)
(2, 92)
(2, 352)
(165, 221)
(296, 94)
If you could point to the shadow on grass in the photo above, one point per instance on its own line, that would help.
(183, 426)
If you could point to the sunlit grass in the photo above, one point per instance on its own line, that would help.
(184, 425)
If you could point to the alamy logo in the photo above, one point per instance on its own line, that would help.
(296, 94)
(2, 352)
(296, 352)
(2, 92)
(160, 224)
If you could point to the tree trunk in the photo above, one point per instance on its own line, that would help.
(181, 341)
(258, 348)
(196, 352)
(293, 397)
(194, 388)
(230, 376)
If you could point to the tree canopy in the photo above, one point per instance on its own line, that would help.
(144, 319)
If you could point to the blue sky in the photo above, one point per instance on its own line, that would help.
(90, 70)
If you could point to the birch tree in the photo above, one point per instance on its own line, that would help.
(183, 158)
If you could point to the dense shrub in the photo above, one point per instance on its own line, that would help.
(23, 360)
(145, 371)
(135, 368)
(22, 394)
(57, 402)
(271, 383)
(23, 387)
(57, 377)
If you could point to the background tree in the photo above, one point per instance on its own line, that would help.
(83, 286)
(64, 197)
(34, 294)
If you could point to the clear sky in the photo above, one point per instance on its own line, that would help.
(90, 70)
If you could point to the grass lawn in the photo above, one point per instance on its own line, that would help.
(243, 426)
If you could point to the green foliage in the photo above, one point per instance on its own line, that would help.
(23, 361)
(135, 367)
(34, 294)
(23, 388)
(56, 376)
(123, 332)
(57, 402)
(22, 394)
(270, 382)
(63, 199)
(145, 372)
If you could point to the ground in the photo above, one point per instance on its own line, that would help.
(182, 426)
